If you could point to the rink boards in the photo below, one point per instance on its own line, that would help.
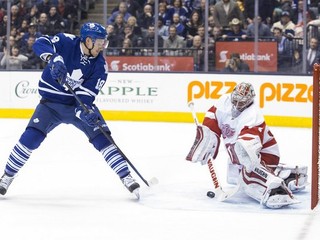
(284, 100)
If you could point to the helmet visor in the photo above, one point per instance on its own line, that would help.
(102, 42)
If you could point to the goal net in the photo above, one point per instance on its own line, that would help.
(315, 138)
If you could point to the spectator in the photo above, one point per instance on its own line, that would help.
(15, 18)
(123, 9)
(118, 24)
(215, 35)
(192, 25)
(146, 18)
(181, 30)
(263, 29)
(148, 42)
(201, 33)
(132, 22)
(178, 8)
(173, 46)
(242, 65)
(24, 7)
(3, 27)
(197, 52)
(44, 6)
(32, 31)
(265, 9)
(211, 23)
(201, 6)
(68, 11)
(12, 42)
(15, 59)
(126, 48)
(34, 62)
(236, 33)
(285, 49)
(17, 36)
(222, 17)
(24, 27)
(127, 34)
(284, 23)
(297, 62)
(313, 54)
(33, 15)
(112, 38)
(133, 7)
(163, 30)
(56, 22)
(164, 14)
(43, 25)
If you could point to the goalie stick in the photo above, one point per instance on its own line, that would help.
(152, 181)
(220, 194)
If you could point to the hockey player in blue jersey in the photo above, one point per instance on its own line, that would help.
(79, 63)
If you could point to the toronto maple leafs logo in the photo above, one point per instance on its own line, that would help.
(75, 79)
(227, 131)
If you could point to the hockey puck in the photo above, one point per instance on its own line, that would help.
(210, 194)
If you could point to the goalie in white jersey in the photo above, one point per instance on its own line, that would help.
(252, 148)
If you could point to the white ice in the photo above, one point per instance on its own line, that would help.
(66, 190)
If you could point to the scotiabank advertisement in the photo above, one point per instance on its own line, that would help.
(150, 64)
(267, 54)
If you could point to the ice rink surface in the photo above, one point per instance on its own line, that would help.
(67, 191)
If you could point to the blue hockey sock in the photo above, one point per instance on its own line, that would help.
(115, 160)
(18, 157)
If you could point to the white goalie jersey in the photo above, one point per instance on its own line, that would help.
(248, 125)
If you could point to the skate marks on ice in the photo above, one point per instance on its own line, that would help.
(192, 196)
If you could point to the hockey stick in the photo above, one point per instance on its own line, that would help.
(153, 180)
(219, 193)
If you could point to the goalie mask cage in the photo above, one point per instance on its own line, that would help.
(315, 138)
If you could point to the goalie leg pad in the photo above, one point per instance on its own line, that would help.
(295, 177)
(263, 186)
(205, 145)
(233, 173)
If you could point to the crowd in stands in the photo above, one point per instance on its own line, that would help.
(31, 19)
(181, 28)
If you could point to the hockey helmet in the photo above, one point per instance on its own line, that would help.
(94, 31)
(241, 97)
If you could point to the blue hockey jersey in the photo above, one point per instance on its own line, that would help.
(86, 75)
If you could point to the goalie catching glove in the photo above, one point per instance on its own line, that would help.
(90, 116)
(58, 69)
(205, 145)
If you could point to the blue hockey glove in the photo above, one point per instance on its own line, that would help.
(58, 69)
(90, 117)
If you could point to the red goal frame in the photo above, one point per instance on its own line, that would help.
(315, 137)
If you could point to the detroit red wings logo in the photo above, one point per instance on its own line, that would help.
(227, 131)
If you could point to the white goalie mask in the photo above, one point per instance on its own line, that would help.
(241, 97)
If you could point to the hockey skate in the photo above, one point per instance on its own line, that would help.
(131, 185)
(5, 182)
(295, 177)
(280, 197)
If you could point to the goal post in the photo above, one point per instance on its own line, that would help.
(315, 137)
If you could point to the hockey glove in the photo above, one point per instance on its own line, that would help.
(58, 69)
(90, 117)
